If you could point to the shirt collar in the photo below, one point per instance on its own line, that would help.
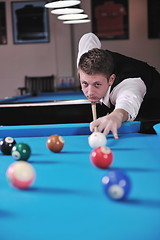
(105, 99)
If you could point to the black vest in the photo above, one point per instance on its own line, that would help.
(127, 67)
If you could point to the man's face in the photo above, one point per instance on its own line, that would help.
(94, 87)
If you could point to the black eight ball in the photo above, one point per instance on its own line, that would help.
(6, 145)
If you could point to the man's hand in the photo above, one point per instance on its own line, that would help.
(111, 122)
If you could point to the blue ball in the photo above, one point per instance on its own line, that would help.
(116, 185)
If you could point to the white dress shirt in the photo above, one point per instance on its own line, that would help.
(87, 42)
(127, 95)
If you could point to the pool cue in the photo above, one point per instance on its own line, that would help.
(94, 114)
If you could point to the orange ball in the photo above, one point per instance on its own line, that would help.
(55, 143)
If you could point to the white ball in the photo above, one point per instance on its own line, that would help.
(97, 139)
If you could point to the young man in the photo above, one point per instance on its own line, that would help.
(129, 87)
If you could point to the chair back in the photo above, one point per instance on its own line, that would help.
(35, 85)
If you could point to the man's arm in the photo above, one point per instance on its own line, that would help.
(87, 42)
(128, 95)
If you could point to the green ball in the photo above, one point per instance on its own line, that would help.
(21, 151)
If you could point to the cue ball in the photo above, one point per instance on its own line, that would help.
(97, 139)
(116, 185)
(6, 145)
(21, 174)
(101, 157)
(55, 143)
(21, 151)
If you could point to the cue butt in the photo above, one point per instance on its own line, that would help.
(94, 114)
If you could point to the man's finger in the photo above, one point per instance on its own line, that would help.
(115, 134)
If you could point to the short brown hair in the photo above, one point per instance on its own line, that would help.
(97, 61)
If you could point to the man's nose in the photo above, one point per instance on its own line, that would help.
(90, 90)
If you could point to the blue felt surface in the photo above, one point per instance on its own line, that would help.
(157, 128)
(46, 97)
(62, 129)
(66, 200)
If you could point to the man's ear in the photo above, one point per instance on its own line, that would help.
(111, 79)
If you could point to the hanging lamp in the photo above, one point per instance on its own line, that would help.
(71, 10)
(76, 21)
(72, 16)
(62, 4)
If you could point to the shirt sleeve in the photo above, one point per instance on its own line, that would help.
(128, 95)
(87, 42)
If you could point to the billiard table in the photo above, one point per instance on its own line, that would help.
(48, 108)
(67, 200)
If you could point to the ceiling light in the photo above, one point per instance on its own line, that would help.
(67, 11)
(72, 16)
(77, 21)
(59, 4)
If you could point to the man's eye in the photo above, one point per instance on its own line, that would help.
(84, 84)
(97, 84)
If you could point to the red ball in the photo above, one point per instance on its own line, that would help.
(55, 143)
(101, 157)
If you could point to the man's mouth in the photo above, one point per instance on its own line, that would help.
(93, 99)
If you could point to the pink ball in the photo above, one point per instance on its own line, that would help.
(21, 174)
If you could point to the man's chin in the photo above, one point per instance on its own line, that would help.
(93, 100)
